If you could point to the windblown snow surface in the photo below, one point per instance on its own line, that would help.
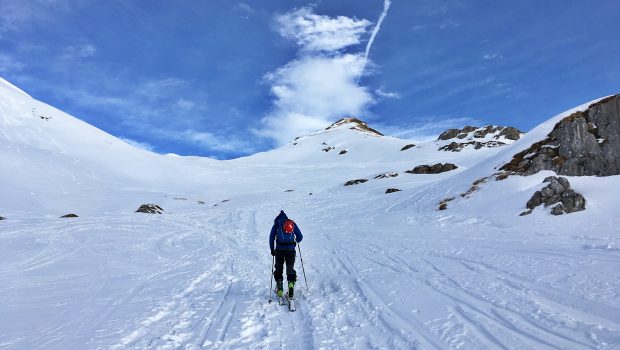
(384, 271)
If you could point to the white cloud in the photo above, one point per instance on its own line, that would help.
(314, 32)
(312, 91)
(322, 84)
(387, 94)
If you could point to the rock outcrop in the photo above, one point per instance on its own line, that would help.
(69, 216)
(355, 182)
(406, 147)
(150, 209)
(392, 190)
(432, 169)
(473, 132)
(558, 195)
(583, 144)
(458, 146)
(2, 218)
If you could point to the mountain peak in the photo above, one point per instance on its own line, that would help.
(354, 124)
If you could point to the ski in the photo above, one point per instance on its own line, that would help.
(291, 304)
(281, 301)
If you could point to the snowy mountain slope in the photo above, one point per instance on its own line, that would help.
(384, 270)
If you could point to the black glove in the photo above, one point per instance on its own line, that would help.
(273, 252)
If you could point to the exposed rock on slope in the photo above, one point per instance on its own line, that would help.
(432, 169)
(471, 132)
(488, 136)
(584, 143)
(356, 124)
(458, 146)
(355, 182)
(558, 194)
(150, 209)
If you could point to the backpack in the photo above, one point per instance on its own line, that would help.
(286, 233)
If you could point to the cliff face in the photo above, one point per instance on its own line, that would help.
(582, 144)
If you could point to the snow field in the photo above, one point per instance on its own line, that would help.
(200, 279)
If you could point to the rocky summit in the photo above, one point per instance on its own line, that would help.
(584, 143)
(355, 124)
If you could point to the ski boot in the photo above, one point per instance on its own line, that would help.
(291, 286)
(279, 289)
(291, 301)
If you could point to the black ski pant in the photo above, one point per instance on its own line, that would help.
(287, 256)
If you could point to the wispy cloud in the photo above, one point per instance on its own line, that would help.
(17, 14)
(493, 56)
(79, 51)
(387, 94)
(143, 145)
(314, 32)
(9, 64)
(427, 129)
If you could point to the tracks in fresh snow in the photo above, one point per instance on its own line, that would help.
(200, 280)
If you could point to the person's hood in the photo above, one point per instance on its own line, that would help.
(279, 220)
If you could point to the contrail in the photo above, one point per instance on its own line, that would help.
(386, 7)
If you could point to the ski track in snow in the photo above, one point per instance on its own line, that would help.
(200, 280)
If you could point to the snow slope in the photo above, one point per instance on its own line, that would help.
(385, 271)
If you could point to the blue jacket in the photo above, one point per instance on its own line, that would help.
(278, 222)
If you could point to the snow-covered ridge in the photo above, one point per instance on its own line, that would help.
(5, 87)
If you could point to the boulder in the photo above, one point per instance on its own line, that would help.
(432, 169)
(2, 218)
(150, 209)
(355, 182)
(344, 151)
(392, 190)
(510, 133)
(386, 175)
(585, 143)
(69, 216)
(558, 195)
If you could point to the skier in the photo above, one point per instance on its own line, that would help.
(286, 235)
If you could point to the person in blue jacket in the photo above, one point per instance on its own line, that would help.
(286, 235)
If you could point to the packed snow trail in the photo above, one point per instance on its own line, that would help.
(377, 280)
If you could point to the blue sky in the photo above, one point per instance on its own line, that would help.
(230, 78)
